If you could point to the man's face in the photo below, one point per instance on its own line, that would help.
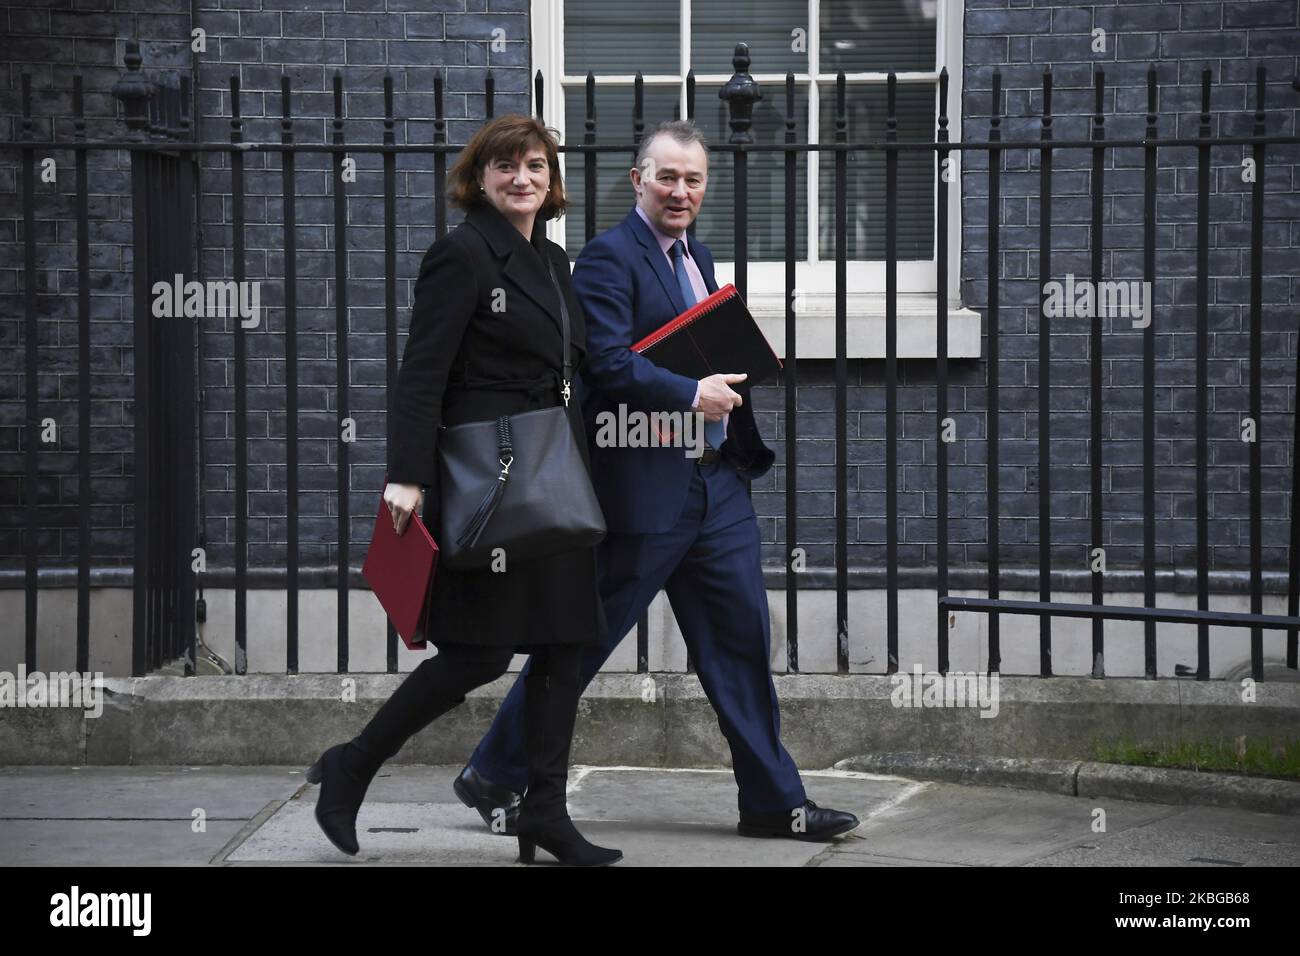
(670, 183)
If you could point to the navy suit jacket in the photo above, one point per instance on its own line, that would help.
(628, 290)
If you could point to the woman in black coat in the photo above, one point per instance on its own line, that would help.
(486, 340)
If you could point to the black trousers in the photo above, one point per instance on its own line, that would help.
(439, 683)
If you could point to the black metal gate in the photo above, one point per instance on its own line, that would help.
(163, 223)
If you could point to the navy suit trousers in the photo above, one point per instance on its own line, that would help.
(709, 564)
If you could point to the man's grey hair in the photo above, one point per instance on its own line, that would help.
(684, 131)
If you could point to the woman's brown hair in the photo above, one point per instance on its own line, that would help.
(506, 137)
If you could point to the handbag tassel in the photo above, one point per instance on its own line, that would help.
(478, 521)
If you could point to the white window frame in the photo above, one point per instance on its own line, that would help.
(814, 277)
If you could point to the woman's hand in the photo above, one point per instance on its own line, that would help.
(402, 501)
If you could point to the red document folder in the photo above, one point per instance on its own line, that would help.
(400, 572)
(717, 334)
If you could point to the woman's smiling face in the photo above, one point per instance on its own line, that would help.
(517, 187)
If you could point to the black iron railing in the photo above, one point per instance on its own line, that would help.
(164, 193)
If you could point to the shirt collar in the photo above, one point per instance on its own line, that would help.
(665, 241)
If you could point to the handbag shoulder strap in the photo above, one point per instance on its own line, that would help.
(564, 322)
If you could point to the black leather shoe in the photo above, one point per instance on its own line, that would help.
(489, 799)
(808, 822)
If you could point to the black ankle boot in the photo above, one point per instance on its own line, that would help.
(550, 708)
(345, 771)
(560, 838)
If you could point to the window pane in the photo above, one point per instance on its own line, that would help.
(606, 37)
(766, 194)
(865, 180)
(766, 25)
(878, 36)
(614, 196)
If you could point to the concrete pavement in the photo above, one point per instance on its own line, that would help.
(262, 815)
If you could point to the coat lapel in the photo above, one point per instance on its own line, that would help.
(658, 261)
(523, 266)
(704, 261)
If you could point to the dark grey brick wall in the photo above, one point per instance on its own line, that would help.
(257, 40)
(362, 39)
(52, 41)
(1181, 39)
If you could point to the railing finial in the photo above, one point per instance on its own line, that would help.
(741, 93)
(135, 93)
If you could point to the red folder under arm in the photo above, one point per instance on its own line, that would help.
(717, 334)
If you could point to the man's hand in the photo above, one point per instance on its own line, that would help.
(402, 501)
(717, 398)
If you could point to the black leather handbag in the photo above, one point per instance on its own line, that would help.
(518, 482)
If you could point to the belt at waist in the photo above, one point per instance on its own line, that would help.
(532, 386)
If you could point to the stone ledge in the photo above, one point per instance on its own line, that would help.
(636, 719)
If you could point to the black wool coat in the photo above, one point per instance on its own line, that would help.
(485, 340)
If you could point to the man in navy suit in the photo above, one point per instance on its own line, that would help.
(678, 522)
